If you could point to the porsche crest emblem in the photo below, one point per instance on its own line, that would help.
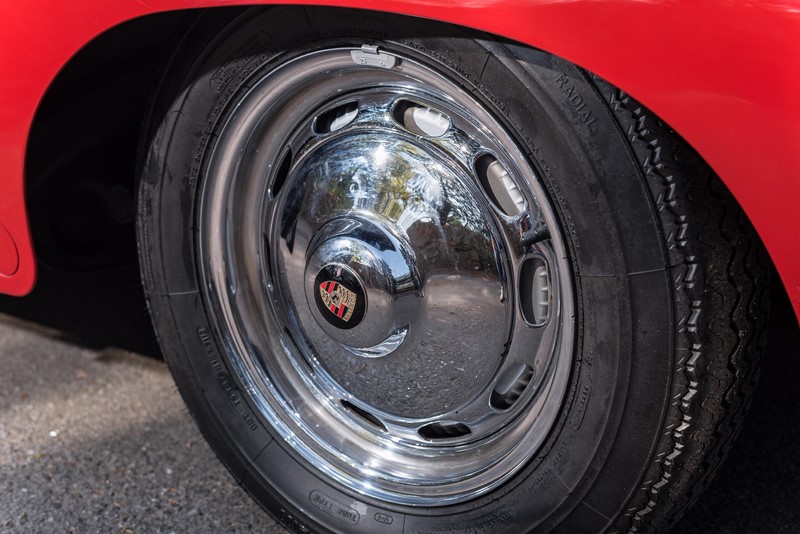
(339, 296)
(338, 300)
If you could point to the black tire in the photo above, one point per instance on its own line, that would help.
(665, 275)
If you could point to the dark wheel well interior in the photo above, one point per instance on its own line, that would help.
(82, 150)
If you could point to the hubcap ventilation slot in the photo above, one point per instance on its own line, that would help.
(510, 386)
(280, 175)
(535, 291)
(336, 118)
(436, 431)
(421, 120)
(267, 260)
(499, 186)
(368, 417)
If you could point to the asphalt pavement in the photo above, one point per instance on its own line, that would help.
(95, 438)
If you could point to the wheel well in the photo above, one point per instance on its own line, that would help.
(81, 160)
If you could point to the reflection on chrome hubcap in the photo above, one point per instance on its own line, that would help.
(365, 241)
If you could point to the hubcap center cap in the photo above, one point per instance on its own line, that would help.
(361, 287)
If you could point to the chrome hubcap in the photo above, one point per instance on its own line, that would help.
(386, 211)
(389, 275)
(366, 272)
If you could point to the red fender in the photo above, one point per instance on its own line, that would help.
(724, 74)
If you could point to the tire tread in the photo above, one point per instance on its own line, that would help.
(719, 272)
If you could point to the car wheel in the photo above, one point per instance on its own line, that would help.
(418, 279)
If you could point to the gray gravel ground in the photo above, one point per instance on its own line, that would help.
(94, 436)
(99, 441)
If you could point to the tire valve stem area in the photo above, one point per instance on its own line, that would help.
(535, 235)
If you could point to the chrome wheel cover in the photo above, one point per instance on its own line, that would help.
(388, 277)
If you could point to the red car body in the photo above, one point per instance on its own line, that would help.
(724, 74)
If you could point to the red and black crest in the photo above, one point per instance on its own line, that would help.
(339, 296)
(339, 300)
